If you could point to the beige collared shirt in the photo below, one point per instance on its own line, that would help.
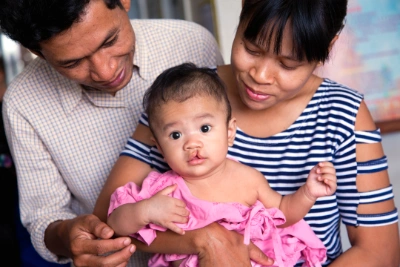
(65, 140)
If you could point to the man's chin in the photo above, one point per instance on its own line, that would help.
(112, 91)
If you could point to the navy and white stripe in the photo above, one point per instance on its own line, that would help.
(323, 132)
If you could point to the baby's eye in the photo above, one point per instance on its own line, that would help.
(205, 128)
(175, 135)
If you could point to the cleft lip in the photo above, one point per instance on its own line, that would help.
(195, 154)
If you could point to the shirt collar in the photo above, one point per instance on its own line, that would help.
(71, 93)
(141, 58)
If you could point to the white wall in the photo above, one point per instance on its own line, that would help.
(227, 19)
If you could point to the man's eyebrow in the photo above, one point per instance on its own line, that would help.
(109, 35)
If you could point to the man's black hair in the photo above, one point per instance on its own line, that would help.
(30, 22)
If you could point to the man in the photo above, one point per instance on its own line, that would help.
(69, 113)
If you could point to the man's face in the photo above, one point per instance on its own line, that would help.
(97, 51)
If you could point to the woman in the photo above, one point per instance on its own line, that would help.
(289, 119)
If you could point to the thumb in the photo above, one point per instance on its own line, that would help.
(168, 190)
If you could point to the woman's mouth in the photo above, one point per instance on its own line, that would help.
(256, 96)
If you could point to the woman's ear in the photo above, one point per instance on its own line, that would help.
(231, 131)
(333, 42)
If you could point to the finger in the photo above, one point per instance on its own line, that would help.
(118, 258)
(180, 204)
(327, 170)
(174, 228)
(97, 227)
(121, 257)
(181, 211)
(103, 246)
(258, 256)
(330, 177)
(179, 219)
(331, 184)
(168, 190)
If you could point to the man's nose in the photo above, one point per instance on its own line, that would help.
(103, 67)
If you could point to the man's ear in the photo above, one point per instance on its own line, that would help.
(231, 131)
(37, 53)
(126, 4)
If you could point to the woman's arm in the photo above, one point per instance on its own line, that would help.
(209, 243)
(126, 169)
(374, 245)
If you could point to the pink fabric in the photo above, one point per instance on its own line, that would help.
(285, 245)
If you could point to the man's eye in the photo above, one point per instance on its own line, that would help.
(205, 128)
(111, 42)
(73, 65)
(175, 135)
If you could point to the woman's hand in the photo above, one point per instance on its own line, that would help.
(221, 247)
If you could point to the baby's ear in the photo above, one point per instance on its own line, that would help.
(154, 140)
(231, 131)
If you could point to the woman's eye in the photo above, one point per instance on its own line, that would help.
(205, 128)
(252, 52)
(175, 135)
(287, 67)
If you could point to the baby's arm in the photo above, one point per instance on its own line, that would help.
(320, 182)
(160, 209)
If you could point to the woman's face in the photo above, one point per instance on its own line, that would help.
(265, 79)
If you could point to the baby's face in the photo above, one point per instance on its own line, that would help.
(193, 135)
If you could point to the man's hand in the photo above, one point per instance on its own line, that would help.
(88, 241)
(222, 247)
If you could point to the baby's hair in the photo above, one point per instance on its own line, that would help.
(181, 83)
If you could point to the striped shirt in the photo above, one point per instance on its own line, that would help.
(65, 140)
(323, 132)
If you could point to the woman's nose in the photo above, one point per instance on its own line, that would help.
(263, 72)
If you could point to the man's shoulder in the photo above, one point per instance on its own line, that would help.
(34, 80)
(31, 75)
(169, 26)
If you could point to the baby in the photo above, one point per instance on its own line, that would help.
(190, 117)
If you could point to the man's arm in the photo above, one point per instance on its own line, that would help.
(56, 232)
(86, 239)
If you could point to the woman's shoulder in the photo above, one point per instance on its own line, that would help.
(331, 87)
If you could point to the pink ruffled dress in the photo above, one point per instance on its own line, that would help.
(285, 245)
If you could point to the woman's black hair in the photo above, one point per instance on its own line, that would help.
(314, 23)
(183, 82)
(30, 22)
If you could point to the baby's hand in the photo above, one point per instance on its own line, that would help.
(322, 180)
(165, 211)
